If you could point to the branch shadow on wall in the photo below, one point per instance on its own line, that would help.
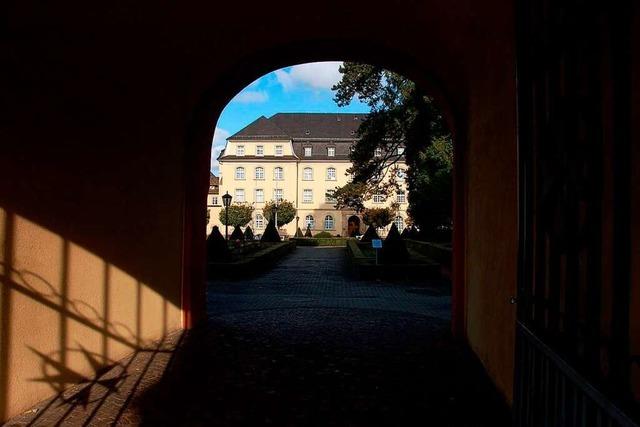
(82, 377)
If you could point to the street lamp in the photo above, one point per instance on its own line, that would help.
(275, 209)
(226, 201)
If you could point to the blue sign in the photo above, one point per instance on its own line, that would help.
(376, 243)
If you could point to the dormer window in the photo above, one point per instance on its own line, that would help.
(307, 151)
(279, 150)
(307, 132)
(240, 150)
(331, 151)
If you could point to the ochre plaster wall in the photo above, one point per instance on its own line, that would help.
(108, 114)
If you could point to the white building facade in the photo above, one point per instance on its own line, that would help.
(297, 157)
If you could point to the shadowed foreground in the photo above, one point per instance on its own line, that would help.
(299, 345)
(304, 345)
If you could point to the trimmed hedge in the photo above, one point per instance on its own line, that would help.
(323, 235)
(439, 253)
(315, 241)
(250, 264)
(362, 266)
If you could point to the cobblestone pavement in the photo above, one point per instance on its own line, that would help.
(302, 345)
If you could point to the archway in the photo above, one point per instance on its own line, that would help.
(353, 225)
(223, 90)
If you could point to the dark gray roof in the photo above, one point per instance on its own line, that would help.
(319, 149)
(303, 126)
(213, 180)
(261, 128)
(274, 158)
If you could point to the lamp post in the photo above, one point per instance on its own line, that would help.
(226, 201)
(275, 210)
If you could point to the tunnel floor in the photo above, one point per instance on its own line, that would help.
(301, 345)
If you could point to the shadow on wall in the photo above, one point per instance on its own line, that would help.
(66, 314)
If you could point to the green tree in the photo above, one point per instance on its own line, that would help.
(378, 217)
(350, 196)
(286, 211)
(401, 116)
(239, 215)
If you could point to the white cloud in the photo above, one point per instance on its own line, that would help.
(251, 97)
(255, 83)
(219, 141)
(315, 75)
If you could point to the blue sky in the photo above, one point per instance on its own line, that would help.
(304, 88)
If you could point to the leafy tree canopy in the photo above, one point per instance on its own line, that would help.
(239, 215)
(401, 116)
(378, 217)
(286, 211)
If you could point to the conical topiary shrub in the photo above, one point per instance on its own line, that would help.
(237, 234)
(308, 232)
(394, 250)
(370, 234)
(270, 233)
(217, 249)
(298, 233)
(405, 233)
(248, 234)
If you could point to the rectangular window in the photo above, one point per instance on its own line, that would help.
(307, 196)
(259, 150)
(307, 174)
(378, 198)
(331, 151)
(214, 200)
(239, 195)
(401, 198)
(331, 174)
(378, 152)
(278, 194)
(278, 174)
(307, 151)
(279, 150)
(240, 150)
(259, 195)
(400, 150)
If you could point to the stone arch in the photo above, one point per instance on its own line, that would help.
(271, 58)
(353, 225)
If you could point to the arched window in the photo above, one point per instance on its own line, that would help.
(331, 174)
(259, 172)
(309, 222)
(307, 174)
(328, 222)
(399, 223)
(240, 172)
(278, 174)
(259, 221)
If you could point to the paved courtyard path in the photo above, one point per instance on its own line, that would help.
(304, 345)
(300, 345)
